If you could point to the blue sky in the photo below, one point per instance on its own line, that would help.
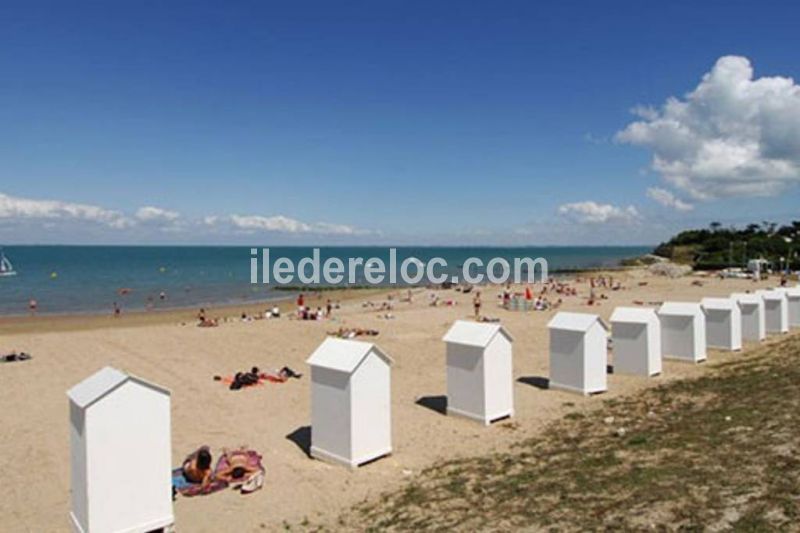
(394, 122)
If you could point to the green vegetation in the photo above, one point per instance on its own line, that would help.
(717, 452)
(718, 247)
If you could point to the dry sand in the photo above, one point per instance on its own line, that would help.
(34, 444)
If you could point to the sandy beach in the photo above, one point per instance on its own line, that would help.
(274, 418)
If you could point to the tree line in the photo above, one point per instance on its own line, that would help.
(719, 247)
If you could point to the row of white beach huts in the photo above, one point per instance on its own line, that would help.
(121, 429)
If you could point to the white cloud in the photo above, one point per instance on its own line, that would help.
(592, 212)
(45, 213)
(337, 229)
(14, 208)
(667, 199)
(282, 224)
(733, 135)
(277, 223)
(156, 214)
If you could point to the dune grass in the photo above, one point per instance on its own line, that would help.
(718, 452)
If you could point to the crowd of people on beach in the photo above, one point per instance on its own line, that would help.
(537, 301)
(547, 296)
(305, 312)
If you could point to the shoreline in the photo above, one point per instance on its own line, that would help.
(80, 321)
(282, 294)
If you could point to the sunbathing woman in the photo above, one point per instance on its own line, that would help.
(238, 466)
(197, 467)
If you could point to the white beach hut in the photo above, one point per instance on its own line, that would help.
(723, 323)
(121, 454)
(793, 304)
(351, 420)
(776, 311)
(479, 371)
(751, 308)
(683, 331)
(578, 353)
(636, 341)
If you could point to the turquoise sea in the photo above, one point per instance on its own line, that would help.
(87, 279)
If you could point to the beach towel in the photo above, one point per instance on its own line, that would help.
(282, 376)
(184, 487)
(234, 384)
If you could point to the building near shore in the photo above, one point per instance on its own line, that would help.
(683, 331)
(120, 454)
(351, 419)
(636, 341)
(578, 353)
(480, 381)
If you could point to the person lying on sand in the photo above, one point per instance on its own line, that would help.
(245, 379)
(349, 333)
(283, 375)
(14, 356)
(197, 467)
(255, 377)
(240, 468)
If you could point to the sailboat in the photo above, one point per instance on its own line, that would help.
(6, 268)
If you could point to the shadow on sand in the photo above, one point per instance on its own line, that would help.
(302, 438)
(434, 403)
(535, 381)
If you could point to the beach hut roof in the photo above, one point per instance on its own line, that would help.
(101, 383)
(746, 297)
(771, 295)
(344, 355)
(680, 309)
(794, 292)
(718, 303)
(634, 315)
(474, 333)
(575, 321)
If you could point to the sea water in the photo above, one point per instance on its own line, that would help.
(88, 279)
